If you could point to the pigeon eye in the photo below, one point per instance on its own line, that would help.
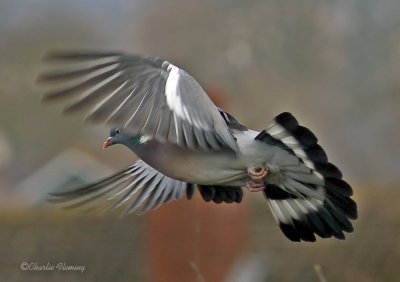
(117, 131)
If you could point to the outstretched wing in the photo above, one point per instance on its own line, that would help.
(137, 187)
(305, 192)
(146, 95)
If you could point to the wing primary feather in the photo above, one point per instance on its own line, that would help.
(151, 203)
(91, 198)
(72, 74)
(144, 194)
(101, 109)
(136, 186)
(96, 185)
(74, 89)
(95, 93)
(134, 113)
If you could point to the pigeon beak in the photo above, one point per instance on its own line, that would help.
(107, 143)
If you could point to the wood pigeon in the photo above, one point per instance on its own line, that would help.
(184, 141)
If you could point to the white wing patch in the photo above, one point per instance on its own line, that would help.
(174, 100)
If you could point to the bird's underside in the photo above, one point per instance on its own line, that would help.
(185, 142)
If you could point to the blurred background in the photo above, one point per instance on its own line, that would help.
(333, 64)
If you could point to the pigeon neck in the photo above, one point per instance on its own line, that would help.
(135, 141)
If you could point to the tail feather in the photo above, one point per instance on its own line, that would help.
(311, 198)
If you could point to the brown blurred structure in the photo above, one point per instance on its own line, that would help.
(193, 240)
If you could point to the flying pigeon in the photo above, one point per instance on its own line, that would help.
(184, 141)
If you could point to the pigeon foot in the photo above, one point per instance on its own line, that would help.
(254, 186)
(257, 173)
(256, 182)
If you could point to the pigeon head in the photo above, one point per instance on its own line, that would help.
(118, 136)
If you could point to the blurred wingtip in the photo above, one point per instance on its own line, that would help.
(77, 54)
